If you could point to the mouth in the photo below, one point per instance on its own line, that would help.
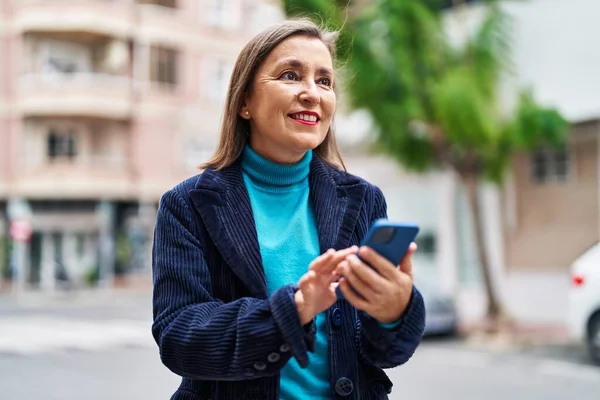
(306, 117)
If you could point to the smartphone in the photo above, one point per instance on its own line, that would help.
(389, 239)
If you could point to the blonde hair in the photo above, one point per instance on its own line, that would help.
(235, 130)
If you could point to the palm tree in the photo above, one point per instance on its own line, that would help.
(436, 105)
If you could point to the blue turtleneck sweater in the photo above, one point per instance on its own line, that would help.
(289, 241)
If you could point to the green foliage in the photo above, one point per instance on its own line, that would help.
(92, 276)
(435, 104)
(5, 249)
(462, 110)
(329, 14)
(123, 253)
(534, 126)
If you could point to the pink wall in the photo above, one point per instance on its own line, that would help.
(15, 147)
(13, 53)
(4, 68)
(189, 73)
(10, 126)
(152, 148)
(4, 148)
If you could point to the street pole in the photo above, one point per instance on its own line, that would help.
(106, 244)
(20, 216)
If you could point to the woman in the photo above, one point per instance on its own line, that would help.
(247, 255)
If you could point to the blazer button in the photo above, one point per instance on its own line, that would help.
(336, 317)
(284, 348)
(260, 366)
(344, 386)
(273, 357)
(248, 373)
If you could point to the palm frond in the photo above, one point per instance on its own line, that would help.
(488, 51)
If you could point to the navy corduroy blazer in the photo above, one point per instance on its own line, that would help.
(215, 325)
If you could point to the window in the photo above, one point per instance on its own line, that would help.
(550, 165)
(61, 145)
(216, 78)
(58, 65)
(195, 153)
(163, 65)
(80, 239)
(62, 58)
(260, 15)
(162, 3)
(426, 242)
(223, 13)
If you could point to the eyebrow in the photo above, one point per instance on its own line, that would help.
(297, 64)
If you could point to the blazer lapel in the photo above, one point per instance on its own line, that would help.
(224, 206)
(337, 199)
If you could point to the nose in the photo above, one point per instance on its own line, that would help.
(309, 94)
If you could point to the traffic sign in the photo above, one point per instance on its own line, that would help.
(20, 230)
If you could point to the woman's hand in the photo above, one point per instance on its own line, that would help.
(317, 286)
(385, 288)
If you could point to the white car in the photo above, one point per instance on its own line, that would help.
(584, 301)
(441, 317)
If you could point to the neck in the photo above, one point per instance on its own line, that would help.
(276, 155)
(267, 172)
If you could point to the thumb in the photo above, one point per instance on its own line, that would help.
(406, 263)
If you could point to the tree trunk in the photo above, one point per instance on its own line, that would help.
(493, 308)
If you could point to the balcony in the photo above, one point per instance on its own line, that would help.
(77, 94)
(163, 21)
(102, 17)
(93, 177)
(158, 7)
(73, 157)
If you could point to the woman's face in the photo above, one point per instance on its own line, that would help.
(292, 101)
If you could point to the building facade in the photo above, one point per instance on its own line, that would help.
(104, 105)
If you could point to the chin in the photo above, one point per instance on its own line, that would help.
(309, 141)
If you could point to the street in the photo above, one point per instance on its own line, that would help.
(106, 352)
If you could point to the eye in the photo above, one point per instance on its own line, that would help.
(324, 81)
(289, 76)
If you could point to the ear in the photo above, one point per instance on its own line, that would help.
(244, 112)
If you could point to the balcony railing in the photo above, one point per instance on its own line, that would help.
(90, 94)
(103, 162)
(48, 2)
(77, 80)
(101, 17)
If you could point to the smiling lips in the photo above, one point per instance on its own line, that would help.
(305, 117)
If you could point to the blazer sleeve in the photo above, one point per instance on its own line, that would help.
(386, 347)
(201, 337)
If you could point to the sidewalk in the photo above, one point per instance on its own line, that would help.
(516, 335)
(93, 319)
(89, 297)
(38, 333)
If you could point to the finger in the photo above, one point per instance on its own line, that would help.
(341, 255)
(318, 263)
(378, 262)
(333, 286)
(307, 278)
(352, 297)
(358, 284)
(365, 273)
(335, 276)
(331, 263)
(406, 264)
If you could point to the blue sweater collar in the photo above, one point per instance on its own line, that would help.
(259, 169)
